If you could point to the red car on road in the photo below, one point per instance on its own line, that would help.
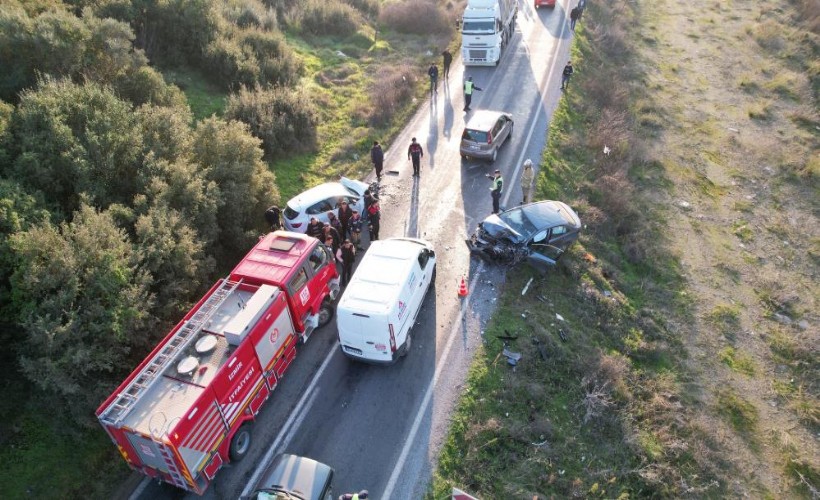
(544, 3)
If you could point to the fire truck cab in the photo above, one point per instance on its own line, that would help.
(187, 408)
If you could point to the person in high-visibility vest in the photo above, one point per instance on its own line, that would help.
(496, 188)
(469, 87)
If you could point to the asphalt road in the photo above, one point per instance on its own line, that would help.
(380, 428)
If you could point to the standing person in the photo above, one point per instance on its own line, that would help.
(334, 222)
(568, 71)
(574, 14)
(272, 218)
(527, 176)
(368, 201)
(314, 228)
(346, 255)
(496, 188)
(377, 157)
(330, 232)
(355, 225)
(374, 216)
(447, 59)
(469, 87)
(345, 213)
(433, 72)
(415, 153)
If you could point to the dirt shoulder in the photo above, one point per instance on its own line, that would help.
(738, 142)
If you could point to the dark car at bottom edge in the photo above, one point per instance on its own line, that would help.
(291, 477)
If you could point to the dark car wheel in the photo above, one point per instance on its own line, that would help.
(241, 443)
(407, 344)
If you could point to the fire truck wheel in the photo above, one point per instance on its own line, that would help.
(325, 313)
(241, 443)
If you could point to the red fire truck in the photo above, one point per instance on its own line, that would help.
(188, 407)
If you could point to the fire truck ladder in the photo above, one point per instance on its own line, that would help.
(118, 410)
(171, 464)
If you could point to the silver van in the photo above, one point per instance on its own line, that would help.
(485, 133)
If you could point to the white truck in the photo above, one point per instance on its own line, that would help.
(486, 28)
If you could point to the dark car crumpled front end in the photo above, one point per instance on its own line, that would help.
(539, 232)
(495, 241)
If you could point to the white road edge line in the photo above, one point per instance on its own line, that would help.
(297, 411)
(428, 395)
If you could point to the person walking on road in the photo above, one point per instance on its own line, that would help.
(447, 59)
(433, 73)
(496, 188)
(377, 157)
(568, 71)
(415, 153)
(346, 255)
(527, 176)
(469, 87)
(374, 217)
(574, 15)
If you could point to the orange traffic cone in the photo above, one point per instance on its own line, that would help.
(462, 288)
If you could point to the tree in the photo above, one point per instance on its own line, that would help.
(18, 212)
(230, 157)
(84, 309)
(76, 139)
(171, 251)
(284, 119)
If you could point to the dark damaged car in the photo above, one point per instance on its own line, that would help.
(537, 232)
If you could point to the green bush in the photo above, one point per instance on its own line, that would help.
(230, 63)
(421, 18)
(277, 63)
(284, 119)
(319, 17)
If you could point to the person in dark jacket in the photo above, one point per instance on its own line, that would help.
(377, 157)
(345, 213)
(415, 153)
(314, 228)
(432, 72)
(346, 255)
(574, 14)
(329, 231)
(447, 59)
(272, 218)
(355, 225)
(374, 218)
(568, 71)
(368, 201)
